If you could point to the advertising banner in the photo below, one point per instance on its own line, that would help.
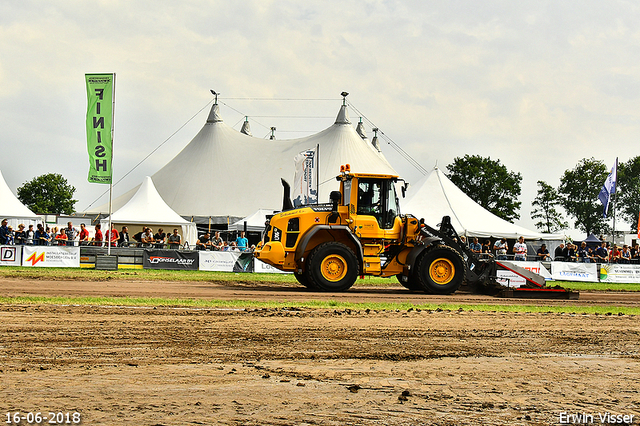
(509, 279)
(170, 259)
(260, 266)
(619, 273)
(99, 126)
(10, 255)
(51, 256)
(569, 271)
(223, 261)
(305, 181)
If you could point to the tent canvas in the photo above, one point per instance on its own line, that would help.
(591, 239)
(255, 222)
(147, 208)
(12, 209)
(11, 206)
(436, 196)
(223, 172)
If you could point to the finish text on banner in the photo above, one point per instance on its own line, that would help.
(99, 126)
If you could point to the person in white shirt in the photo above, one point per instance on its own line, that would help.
(520, 250)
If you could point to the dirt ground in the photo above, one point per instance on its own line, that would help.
(182, 366)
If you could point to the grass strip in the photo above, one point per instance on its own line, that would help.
(314, 304)
(21, 272)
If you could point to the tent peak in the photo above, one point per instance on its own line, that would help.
(343, 116)
(360, 129)
(214, 114)
(246, 129)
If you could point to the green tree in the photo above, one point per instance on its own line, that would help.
(579, 189)
(627, 196)
(48, 194)
(544, 209)
(488, 183)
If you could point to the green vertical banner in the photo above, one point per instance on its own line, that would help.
(99, 126)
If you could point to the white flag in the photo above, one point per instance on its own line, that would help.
(305, 184)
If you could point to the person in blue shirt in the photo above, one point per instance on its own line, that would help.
(242, 242)
(475, 246)
(602, 254)
(4, 232)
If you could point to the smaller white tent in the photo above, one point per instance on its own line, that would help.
(436, 196)
(12, 209)
(255, 222)
(147, 208)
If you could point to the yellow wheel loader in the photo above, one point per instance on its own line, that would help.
(361, 232)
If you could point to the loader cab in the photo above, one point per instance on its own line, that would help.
(373, 205)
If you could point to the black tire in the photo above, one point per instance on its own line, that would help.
(304, 280)
(332, 267)
(441, 270)
(411, 284)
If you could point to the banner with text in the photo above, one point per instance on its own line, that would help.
(218, 260)
(569, 271)
(170, 259)
(51, 256)
(99, 126)
(619, 273)
(260, 266)
(10, 255)
(305, 181)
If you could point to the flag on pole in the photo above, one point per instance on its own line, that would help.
(304, 189)
(609, 188)
(99, 126)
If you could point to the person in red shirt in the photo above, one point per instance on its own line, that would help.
(97, 236)
(62, 238)
(83, 237)
(113, 236)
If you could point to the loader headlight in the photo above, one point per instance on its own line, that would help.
(277, 234)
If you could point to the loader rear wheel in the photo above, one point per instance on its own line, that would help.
(332, 267)
(441, 270)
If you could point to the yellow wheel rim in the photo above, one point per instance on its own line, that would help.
(442, 271)
(334, 267)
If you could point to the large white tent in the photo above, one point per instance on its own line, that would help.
(436, 196)
(223, 172)
(147, 208)
(12, 209)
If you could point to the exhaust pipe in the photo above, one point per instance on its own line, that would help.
(286, 197)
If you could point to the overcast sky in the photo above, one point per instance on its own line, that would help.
(538, 85)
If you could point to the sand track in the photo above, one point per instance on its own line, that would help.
(176, 366)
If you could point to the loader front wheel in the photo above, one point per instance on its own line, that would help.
(332, 267)
(441, 270)
(410, 283)
(304, 280)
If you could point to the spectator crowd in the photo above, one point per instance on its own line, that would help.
(569, 252)
(145, 238)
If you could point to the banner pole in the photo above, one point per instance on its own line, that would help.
(113, 115)
(317, 174)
